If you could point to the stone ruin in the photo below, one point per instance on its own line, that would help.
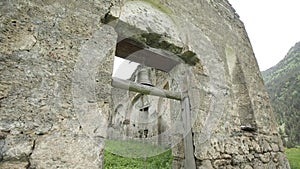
(59, 101)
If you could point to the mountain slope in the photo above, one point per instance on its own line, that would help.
(283, 85)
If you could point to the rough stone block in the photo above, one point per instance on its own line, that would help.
(14, 165)
(275, 147)
(59, 151)
(220, 163)
(236, 160)
(265, 158)
(17, 147)
(248, 167)
(206, 164)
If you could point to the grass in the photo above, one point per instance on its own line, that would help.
(157, 157)
(162, 161)
(133, 149)
(136, 155)
(293, 155)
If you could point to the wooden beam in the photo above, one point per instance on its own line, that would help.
(144, 89)
(151, 57)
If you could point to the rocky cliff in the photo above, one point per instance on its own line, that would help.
(282, 82)
(56, 100)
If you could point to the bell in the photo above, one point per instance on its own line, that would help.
(143, 77)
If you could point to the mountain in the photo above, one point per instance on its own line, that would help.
(283, 85)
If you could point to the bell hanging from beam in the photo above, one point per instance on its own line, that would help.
(143, 77)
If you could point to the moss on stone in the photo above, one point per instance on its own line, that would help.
(108, 18)
(189, 57)
(151, 39)
(156, 40)
(171, 47)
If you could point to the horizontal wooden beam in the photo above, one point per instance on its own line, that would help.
(144, 89)
(151, 57)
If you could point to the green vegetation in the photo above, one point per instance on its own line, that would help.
(133, 149)
(283, 85)
(144, 39)
(293, 155)
(162, 161)
(156, 40)
(149, 156)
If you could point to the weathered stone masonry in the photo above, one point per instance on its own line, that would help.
(55, 73)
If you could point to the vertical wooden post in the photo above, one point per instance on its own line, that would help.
(189, 159)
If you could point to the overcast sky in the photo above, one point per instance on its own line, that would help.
(273, 27)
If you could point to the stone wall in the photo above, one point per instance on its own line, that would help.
(55, 95)
(49, 50)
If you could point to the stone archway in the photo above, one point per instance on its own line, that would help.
(160, 36)
(196, 67)
(140, 42)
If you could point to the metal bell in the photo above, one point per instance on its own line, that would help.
(143, 77)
